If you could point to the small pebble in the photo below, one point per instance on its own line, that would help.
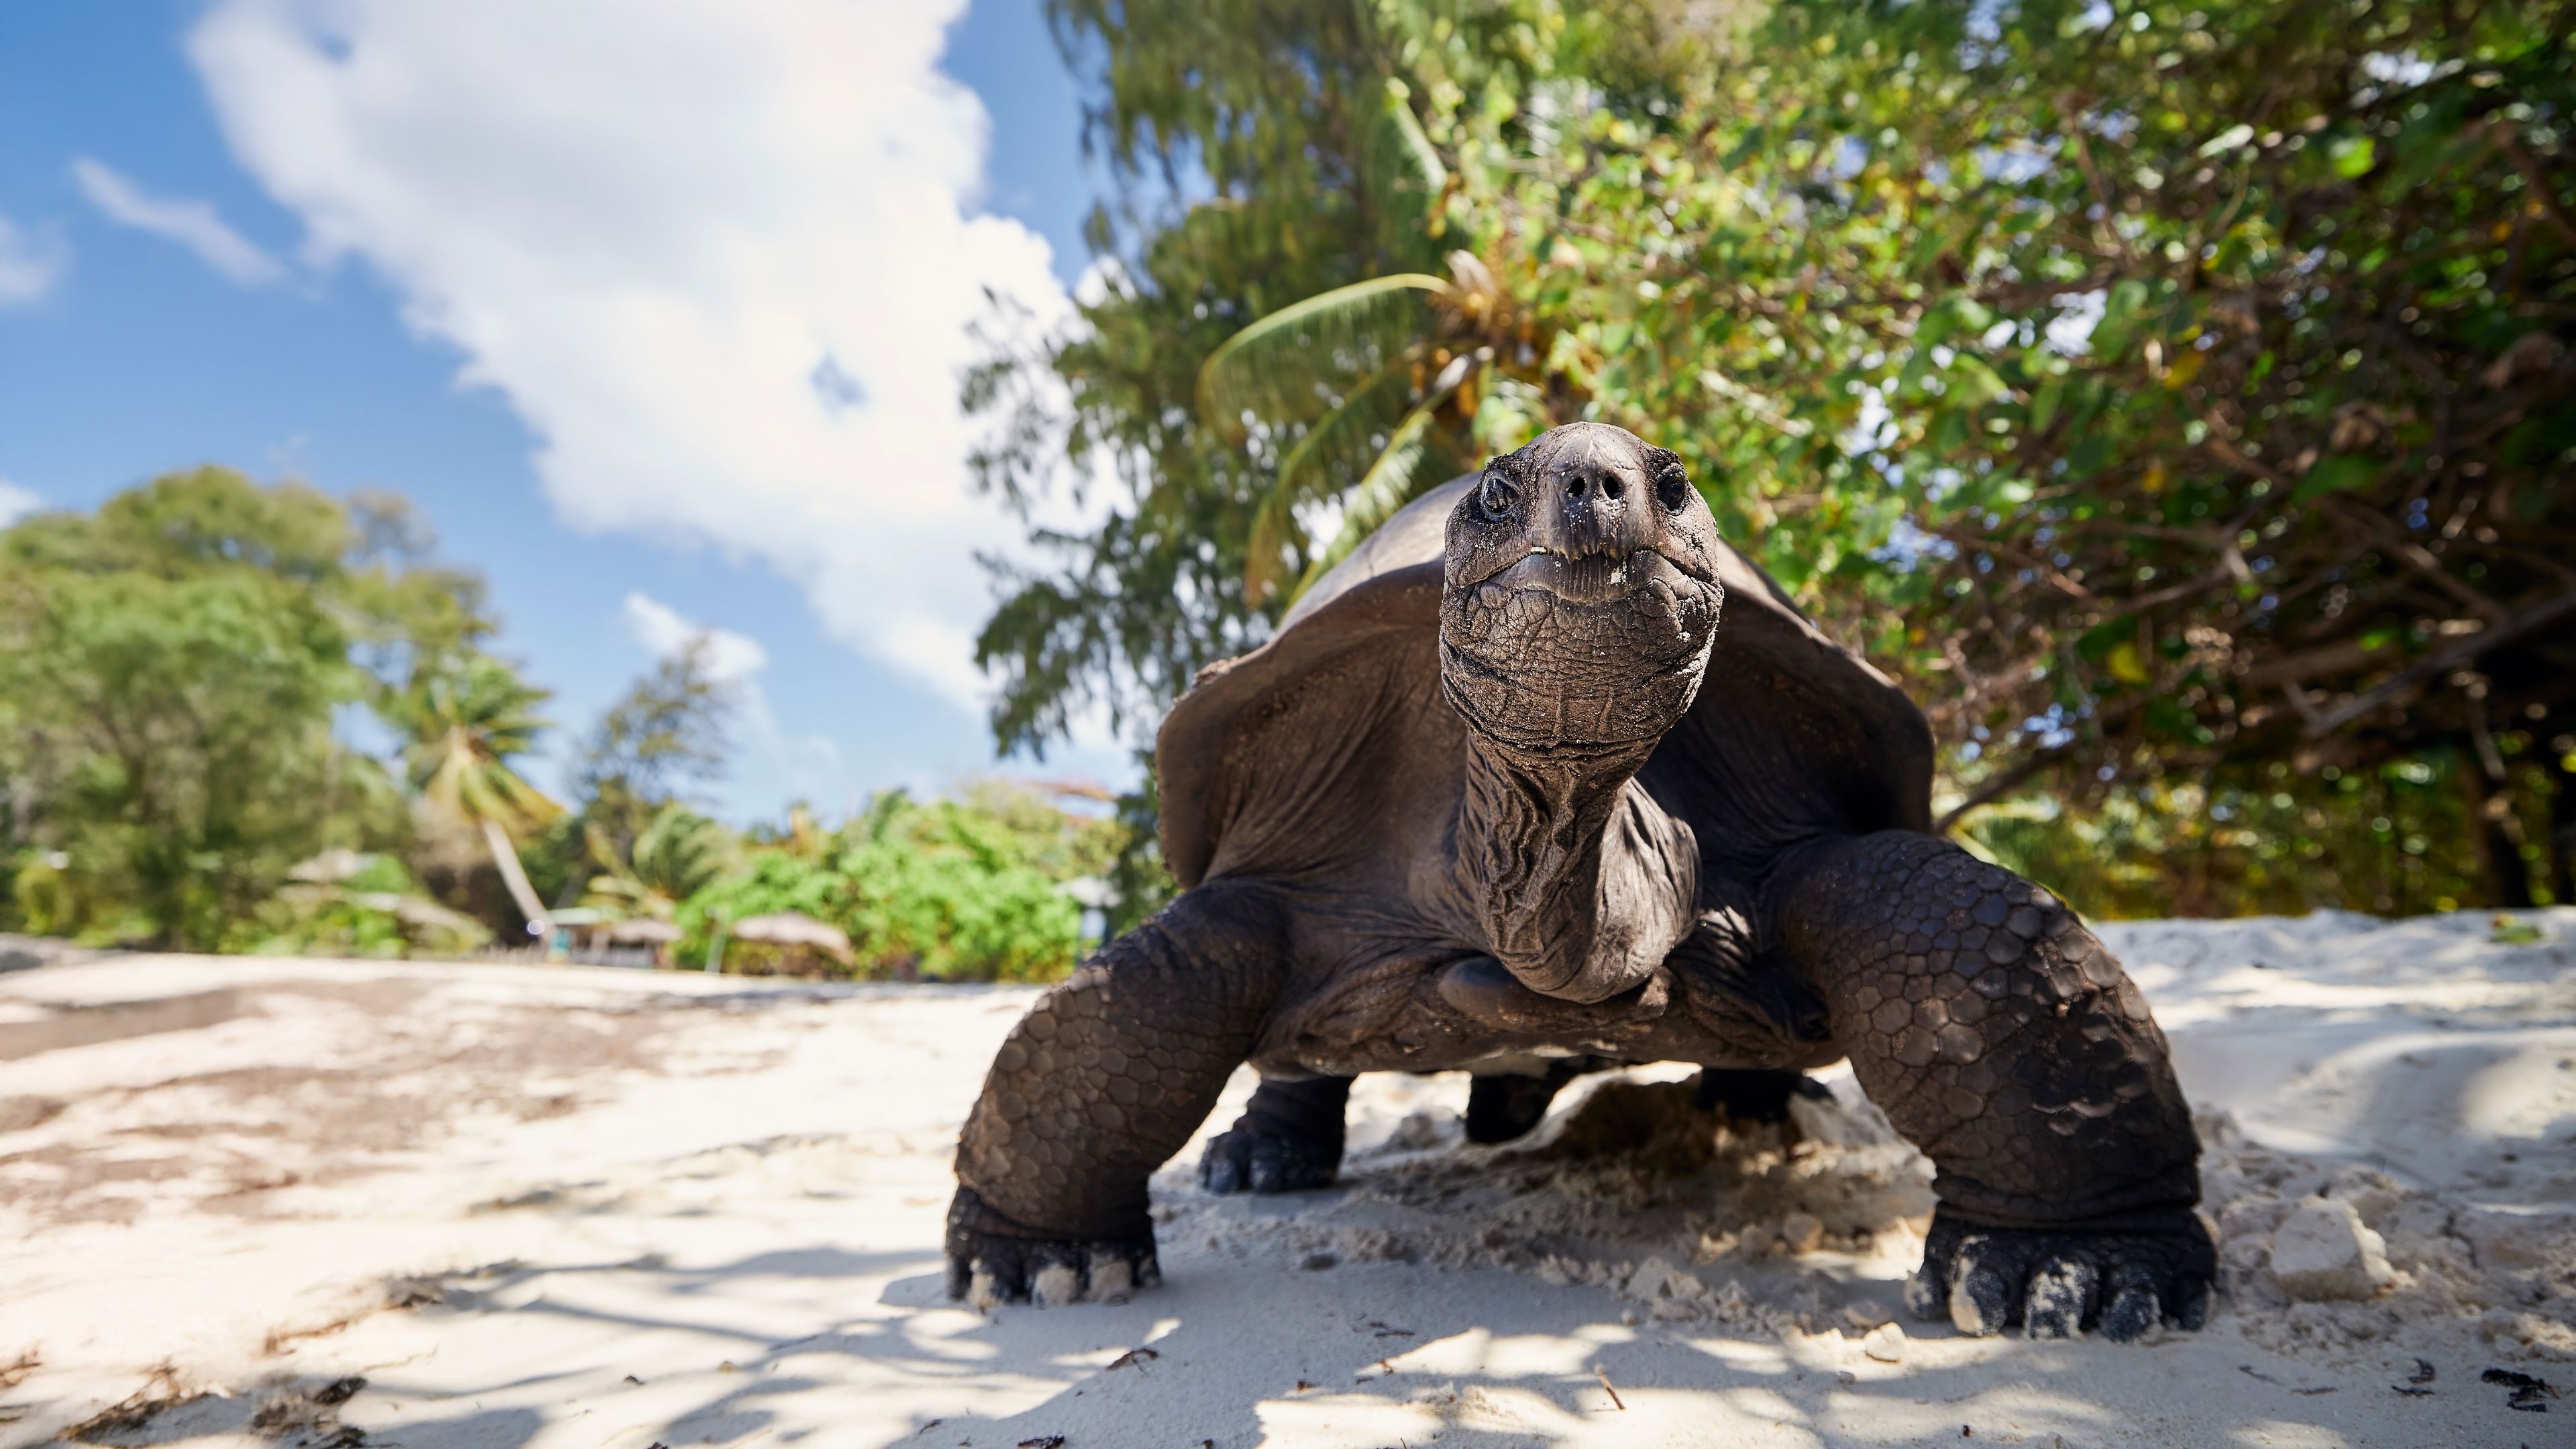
(1885, 1343)
(2323, 1252)
(1800, 1232)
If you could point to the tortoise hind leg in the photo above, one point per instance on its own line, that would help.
(1502, 1106)
(1748, 1095)
(1289, 1139)
(1506, 1106)
(1103, 1080)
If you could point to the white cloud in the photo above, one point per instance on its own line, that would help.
(191, 223)
(16, 502)
(31, 262)
(720, 258)
(659, 627)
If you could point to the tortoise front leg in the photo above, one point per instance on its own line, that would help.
(2004, 1041)
(1103, 1080)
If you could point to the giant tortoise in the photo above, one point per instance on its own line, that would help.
(1545, 773)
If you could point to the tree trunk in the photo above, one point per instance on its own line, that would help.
(2498, 835)
(505, 858)
(2562, 833)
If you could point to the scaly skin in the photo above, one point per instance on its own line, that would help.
(1577, 613)
(1289, 1139)
(2003, 1040)
(1100, 1084)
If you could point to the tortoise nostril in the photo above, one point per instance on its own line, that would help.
(1611, 487)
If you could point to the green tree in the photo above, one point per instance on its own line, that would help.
(666, 733)
(466, 718)
(677, 854)
(1273, 110)
(2174, 393)
(170, 670)
(2177, 397)
(971, 888)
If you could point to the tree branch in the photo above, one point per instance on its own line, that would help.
(1998, 786)
(2443, 660)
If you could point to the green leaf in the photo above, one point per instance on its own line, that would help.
(2089, 457)
(2342, 473)
(1952, 317)
(1273, 368)
(2120, 309)
(2352, 156)
(2096, 643)
(1336, 439)
(2226, 141)
(2510, 931)
(1973, 384)
(1421, 158)
(2043, 407)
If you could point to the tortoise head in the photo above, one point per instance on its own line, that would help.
(1579, 593)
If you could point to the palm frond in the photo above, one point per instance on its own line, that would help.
(681, 851)
(466, 721)
(1389, 484)
(678, 853)
(1405, 167)
(1421, 160)
(1339, 440)
(1281, 366)
(1265, 559)
(1337, 443)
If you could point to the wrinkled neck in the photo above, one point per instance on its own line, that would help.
(1582, 883)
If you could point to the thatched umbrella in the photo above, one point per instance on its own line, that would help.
(642, 933)
(795, 936)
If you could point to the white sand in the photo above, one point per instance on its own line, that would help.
(599, 1208)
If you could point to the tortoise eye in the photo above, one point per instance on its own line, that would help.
(1495, 495)
(1673, 488)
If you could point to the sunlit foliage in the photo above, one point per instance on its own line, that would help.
(958, 889)
(2177, 397)
(170, 669)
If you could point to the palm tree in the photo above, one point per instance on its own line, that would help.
(1386, 376)
(674, 857)
(467, 718)
(1379, 380)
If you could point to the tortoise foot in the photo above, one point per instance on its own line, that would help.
(992, 1260)
(1262, 1159)
(1289, 1139)
(2119, 1281)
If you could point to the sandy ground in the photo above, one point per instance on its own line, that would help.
(597, 1208)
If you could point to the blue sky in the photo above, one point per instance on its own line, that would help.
(557, 277)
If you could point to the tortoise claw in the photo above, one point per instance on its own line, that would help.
(2120, 1281)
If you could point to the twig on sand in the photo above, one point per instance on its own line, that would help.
(2252, 1372)
(2526, 1389)
(1603, 1374)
